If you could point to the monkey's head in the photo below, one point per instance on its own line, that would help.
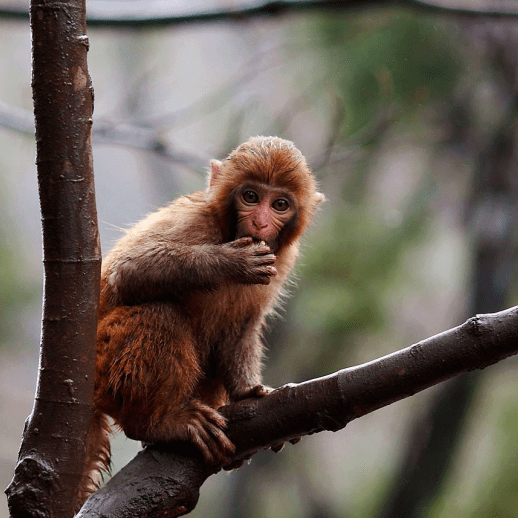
(264, 189)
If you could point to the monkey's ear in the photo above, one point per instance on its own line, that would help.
(319, 197)
(215, 168)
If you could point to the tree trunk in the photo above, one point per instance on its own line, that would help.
(53, 446)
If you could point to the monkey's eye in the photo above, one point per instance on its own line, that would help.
(250, 196)
(281, 204)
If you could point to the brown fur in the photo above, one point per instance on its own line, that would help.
(184, 296)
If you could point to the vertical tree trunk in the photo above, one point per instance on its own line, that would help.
(53, 446)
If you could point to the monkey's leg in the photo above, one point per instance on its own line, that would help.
(152, 368)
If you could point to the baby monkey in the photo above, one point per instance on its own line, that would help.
(184, 297)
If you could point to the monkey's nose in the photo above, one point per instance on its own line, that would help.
(258, 225)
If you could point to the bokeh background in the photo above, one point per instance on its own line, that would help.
(409, 119)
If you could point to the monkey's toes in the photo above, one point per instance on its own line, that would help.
(261, 390)
(258, 390)
(207, 433)
(213, 444)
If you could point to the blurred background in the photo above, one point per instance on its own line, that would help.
(408, 118)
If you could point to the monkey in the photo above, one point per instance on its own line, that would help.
(184, 298)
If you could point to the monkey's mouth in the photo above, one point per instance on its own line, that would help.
(259, 240)
(272, 244)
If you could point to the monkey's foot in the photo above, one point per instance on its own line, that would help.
(203, 426)
(193, 422)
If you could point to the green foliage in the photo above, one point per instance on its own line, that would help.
(391, 57)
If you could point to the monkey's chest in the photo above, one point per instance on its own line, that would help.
(229, 312)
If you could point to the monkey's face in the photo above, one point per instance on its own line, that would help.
(263, 211)
(265, 190)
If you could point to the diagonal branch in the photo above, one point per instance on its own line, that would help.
(166, 483)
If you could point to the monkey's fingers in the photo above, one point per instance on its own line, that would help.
(248, 242)
(264, 274)
(242, 242)
(214, 445)
(272, 270)
(263, 256)
(264, 262)
(261, 249)
(258, 275)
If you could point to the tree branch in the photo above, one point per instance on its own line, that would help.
(166, 482)
(142, 13)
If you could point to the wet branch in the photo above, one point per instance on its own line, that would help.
(166, 483)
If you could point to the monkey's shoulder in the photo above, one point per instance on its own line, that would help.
(181, 219)
(180, 212)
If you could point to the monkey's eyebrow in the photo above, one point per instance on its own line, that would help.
(251, 185)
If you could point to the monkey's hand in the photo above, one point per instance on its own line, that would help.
(252, 262)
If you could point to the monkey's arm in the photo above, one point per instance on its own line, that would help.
(159, 268)
(241, 363)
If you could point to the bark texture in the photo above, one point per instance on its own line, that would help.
(53, 445)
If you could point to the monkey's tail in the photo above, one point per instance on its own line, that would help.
(98, 455)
